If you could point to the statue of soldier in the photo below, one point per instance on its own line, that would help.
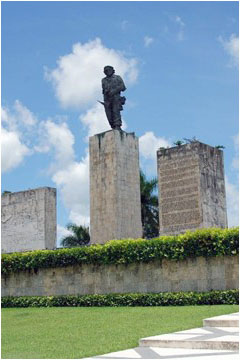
(112, 85)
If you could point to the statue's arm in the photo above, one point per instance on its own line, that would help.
(122, 86)
(103, 86)
(119, 87)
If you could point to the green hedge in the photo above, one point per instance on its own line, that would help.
(205, 242)
(150, 299)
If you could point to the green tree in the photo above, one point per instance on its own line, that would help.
(178, 143)
(5, 192)
(80, 236)
(149, 206)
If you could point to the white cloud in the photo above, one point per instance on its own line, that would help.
(179, 21)
(149, 144)
(231, 46)
(17, 124)
(232, 196)
(181, 24)
(77, 78)
(62, 140)
(79, 219)
(9, 121)
(13, 150)
(95, 120)
(148, 41)
(24, 115)
(73, 182)
(5, 115)
(18, 117)
(71, 177)
(42, 147)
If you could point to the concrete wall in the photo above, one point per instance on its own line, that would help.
(29, 220)
(191, 188)
(115, 207)
(198, 274)
(212, 187)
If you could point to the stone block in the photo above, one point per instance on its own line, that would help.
(29, 220)
(115, 208)
(191, 188)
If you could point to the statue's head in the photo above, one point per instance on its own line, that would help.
(108, 70)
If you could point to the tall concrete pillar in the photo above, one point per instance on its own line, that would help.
(115, 208)
(191, 188)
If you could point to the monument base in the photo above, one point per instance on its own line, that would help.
(115, 203)
(29, 220)
(191, 188)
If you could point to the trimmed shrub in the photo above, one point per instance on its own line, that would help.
(204, 242)
(148, 299)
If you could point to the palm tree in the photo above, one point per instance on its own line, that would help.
(149, 206)
(80, 236)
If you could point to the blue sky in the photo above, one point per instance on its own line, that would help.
(179, 61)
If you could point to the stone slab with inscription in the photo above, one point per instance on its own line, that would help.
(191, 188)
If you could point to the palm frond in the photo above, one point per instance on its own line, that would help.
(80, 236)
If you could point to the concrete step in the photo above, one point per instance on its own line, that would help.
(212, 338)
(152, 353)
(230, 320)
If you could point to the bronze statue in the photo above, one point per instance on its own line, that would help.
(112, 85)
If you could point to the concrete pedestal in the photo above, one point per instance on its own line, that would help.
(191, 188)
(115, 205)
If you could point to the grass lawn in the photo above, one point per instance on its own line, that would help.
(60, 333)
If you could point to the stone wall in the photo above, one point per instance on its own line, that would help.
(197, 274)
(115, 208)
(29, 220)
(191, 188)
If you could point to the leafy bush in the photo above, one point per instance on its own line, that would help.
(205, 242)
(150, 299)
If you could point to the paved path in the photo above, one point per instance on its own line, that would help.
(217, 340)
(211, 338)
